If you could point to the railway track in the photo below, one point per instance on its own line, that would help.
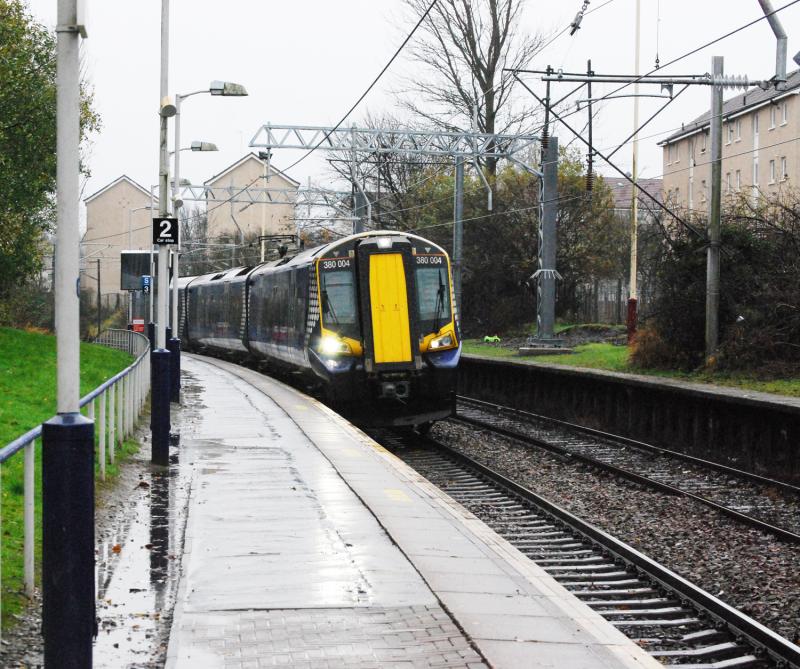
(769, 505)
(674, 620)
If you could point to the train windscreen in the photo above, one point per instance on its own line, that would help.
(433, 293)
(339, 311)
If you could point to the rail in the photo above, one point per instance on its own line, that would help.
(115, 407)
(745, 430)
(621, 571)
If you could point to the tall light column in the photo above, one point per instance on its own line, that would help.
(68, 606)
(166, 110)
(176, 184)
(222, 88)
(160, 357)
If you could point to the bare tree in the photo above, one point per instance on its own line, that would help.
(467, 45)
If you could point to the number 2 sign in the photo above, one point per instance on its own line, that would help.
(165, 230)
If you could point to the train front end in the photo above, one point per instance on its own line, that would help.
(387, 341)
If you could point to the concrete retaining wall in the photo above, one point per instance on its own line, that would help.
(747, 430)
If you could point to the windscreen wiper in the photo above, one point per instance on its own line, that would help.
(327, 307)
(439, 308)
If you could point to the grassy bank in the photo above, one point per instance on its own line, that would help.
(27, 398)
(616, 359)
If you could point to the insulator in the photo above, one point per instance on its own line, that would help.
(589, 181)
(731, 81)
(545, 137)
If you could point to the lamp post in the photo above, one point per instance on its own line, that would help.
(68, 606)
(223, 88)
(160, 356)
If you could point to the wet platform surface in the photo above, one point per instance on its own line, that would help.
(294, 540)
(283, 564)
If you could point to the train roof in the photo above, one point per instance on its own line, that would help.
(323, 250)
(307, 255)
(301, 258)
(227, 275)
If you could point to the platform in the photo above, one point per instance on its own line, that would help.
(308, 545)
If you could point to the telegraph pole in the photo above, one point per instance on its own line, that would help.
(633, 293)
(714, 212)
(68, 606)
(458, 233)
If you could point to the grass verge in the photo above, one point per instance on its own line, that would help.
(616, 359)
(27, 398)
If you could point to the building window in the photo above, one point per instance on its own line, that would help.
(738, 129)
(730, 133)
(784, 173)
(670, 153)
(784, 112)
(738, 180)
(728, 182)
(703, 139)
(772, 117)
(755, 124)
(703, 197)
(755, 172)
(772, 171)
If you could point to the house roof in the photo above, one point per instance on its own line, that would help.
(749, 100)
(244, 159)
(622, 190)
(114, 183)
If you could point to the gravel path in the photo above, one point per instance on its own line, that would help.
(747, 569)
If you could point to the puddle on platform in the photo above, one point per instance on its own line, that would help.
(137, 567)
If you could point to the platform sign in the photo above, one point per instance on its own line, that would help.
(134, 264)
(138, 324)
(165, 231)
(147, 282)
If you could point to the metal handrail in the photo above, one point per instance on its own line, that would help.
(19, 443)
(124, 395)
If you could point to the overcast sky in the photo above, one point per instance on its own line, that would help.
(307, 61)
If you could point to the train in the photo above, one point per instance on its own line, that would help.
(369, 322)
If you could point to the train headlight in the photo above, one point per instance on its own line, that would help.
(332, 346)
(445, 341)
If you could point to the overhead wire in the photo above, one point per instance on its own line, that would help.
(538, 51)
(560, 119)
(347, 114)
(365, 93)
(551, 41)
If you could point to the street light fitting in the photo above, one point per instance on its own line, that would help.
(204, 146)
(168, 108)
(227, 88)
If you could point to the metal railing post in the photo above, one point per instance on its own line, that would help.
(126, 406)
(101, 447)
(132, 383)
(112, 436)
(28, 513)
(120, 407)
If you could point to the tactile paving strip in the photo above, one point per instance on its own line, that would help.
(407, 637)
